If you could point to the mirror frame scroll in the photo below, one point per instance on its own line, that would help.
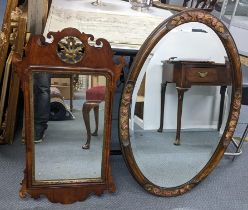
(41, 56)
(193, 15)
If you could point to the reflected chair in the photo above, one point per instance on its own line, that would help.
(94, 96)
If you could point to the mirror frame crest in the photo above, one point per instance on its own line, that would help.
(193, 15)
(43, 57)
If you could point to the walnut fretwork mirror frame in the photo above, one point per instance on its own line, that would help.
(43, 57)
(124, 111)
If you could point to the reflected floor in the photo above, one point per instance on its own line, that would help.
(168, 165)
(60, 155)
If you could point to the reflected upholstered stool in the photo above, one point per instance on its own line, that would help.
(94, 96)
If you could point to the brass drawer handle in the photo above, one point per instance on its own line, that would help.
(202, 74)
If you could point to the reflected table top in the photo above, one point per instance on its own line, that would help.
(115, 21)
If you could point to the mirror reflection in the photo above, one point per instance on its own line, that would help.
(180, 105)
(68, 125)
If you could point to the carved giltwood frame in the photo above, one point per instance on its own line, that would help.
(43, 57)
(14, 33)
(14, 30)
(6, 31)
(124, 112)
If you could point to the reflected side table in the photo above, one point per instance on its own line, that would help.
(188, 73)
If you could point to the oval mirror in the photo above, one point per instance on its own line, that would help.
(181, 103)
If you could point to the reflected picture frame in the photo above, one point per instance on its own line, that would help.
(97, 59)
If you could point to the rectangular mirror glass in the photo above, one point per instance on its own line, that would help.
(68, 126)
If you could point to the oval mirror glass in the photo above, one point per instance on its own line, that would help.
(179, 98)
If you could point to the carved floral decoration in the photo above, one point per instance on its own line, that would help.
(197, 16)
(161, 192)
(15, 14)
(3, 39)
(70, 50)
(124, 116)
(234, 118)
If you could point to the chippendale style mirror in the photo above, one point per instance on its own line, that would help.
(67, 149)
(180, 104)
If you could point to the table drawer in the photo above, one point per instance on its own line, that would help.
(207, 75)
